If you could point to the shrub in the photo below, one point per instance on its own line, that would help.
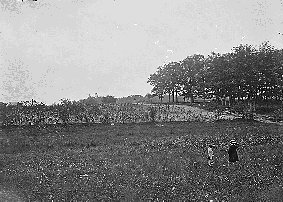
(152, 114)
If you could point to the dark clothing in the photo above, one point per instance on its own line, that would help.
(233, 155)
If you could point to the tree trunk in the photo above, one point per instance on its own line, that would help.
(176, 96)
(232, 101)
(191, 97)
(173, 96)
(169, 97)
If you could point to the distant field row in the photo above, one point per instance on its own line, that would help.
(111, 113)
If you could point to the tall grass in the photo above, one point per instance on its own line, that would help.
(146, 161)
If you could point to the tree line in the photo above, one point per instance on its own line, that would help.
(247, 73)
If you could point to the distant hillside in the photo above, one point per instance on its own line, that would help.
(180, 100)
(99, 100)
(166, 99)
(134, 99)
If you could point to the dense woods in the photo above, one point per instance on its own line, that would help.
(246, 73)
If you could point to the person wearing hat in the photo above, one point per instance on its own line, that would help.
(233, 155)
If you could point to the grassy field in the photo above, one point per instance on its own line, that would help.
(142, 162)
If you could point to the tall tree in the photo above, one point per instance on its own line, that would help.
(190, 71)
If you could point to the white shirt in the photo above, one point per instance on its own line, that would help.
(210, 152)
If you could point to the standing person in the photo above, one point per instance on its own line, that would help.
(233, 155)
(210, 154)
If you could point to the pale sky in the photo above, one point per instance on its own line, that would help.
(53, 49)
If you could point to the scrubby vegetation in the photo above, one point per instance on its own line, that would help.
(72, 112)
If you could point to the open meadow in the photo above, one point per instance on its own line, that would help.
(142, 162)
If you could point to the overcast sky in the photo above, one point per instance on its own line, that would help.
(52, 49)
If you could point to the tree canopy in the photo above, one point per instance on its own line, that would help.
(246, 73)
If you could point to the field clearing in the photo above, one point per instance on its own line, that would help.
(142, 161)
